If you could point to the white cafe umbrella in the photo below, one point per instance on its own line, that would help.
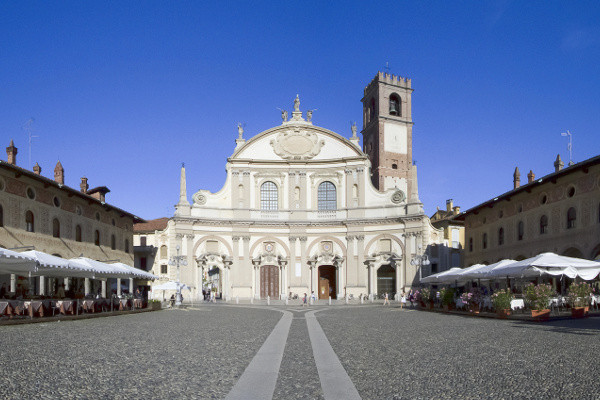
(171, 285)
(102, 270)
(12, 262)
(439, 277)
(136, 272)
(483, 272)
(49, 265)
(550, 264)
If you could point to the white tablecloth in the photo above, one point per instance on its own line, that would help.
(517, 303)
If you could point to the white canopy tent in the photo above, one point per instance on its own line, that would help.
(137, 273)
(12, 262)
(483, 271)
(439, 277)
(171, 285)
(549, 264)
(102, 270)
(49, 265)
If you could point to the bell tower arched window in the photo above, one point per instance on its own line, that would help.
(327, 196)
(571, 218)
(55, 228)
(268, 196)
(543, 225)
(395, 105)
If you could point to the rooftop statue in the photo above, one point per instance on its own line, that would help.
(297, 104)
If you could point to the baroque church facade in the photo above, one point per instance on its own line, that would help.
(306, 209)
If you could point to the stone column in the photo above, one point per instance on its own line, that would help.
(349, 182)
(235, 263)
(305, 273)
(67, 284)
(42, 285)
(341, 281)
(351, 268)
(130, 285)
(256, 264)
(409, 255)
(104, 288)
(118, 286)
(13, 283)
(86, 286)
(361, 186)
(362, 277)
(291, 270)
(247, 264)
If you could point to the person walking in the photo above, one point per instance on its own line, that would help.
(304, 300)
(402, 299)
(386, 300)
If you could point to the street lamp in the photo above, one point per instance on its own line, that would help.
(177, 261)
(569, 146)
(420, 261)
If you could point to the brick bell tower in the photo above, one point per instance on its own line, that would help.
(387, 132)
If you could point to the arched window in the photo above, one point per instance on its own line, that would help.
(484, 241)
(29, 222)
(395, 105)
(372, 110)
(543, 225)
(126, 245)
(163, 252)
(571, 217)
(520, 230)
(327, 196)
(268, 196)
(97, 237)
(78, 233)
(113, 242)
(55, 228)
(500, 236)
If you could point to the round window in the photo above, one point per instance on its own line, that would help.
(56, 201)
(31, 193)
(571, 191)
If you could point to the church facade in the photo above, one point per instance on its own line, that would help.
(306, 209)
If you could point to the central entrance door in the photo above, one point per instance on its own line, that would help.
(327, 282)
(269, 282)
(386, 281)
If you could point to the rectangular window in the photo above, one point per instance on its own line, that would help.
(163, 269)
(142, 240)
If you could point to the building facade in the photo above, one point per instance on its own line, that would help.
(449, 253)
(46, 215)
(557, 213)
(299, 211)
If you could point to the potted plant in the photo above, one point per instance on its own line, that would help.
(424, 297)
(579, 295)
(155, 304)
(501, 300)
(447, 295)
(538, 298)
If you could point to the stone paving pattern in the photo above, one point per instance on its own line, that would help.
(388, 353)
(158, 355)
(393, 354)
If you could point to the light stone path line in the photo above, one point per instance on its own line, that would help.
(260, 377)
(335, 382)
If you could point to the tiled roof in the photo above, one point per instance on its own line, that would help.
(158, 224)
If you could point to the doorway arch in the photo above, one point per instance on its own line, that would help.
(269, 281)
(327, 282)
(386, 280)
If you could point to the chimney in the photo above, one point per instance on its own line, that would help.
(84, 185)
(59, 173)
(516, 178)
(37, 169)
(456, 210)
(449, 205)
(11, 152)
(558, 164)
(530, 176)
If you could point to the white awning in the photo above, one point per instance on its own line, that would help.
(550, 264)
(49, 265)
(137, 273)
(12, 262)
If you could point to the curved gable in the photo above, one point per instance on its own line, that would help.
(297, 142)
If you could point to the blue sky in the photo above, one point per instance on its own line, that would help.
(123, 92)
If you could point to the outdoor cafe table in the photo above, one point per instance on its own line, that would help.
(38, 307)
(66, 306)
(123, 304)
(92, 305)
(138, 303)
(11, 307)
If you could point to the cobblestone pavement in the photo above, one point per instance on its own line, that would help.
(394, 354)
(388, 353)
